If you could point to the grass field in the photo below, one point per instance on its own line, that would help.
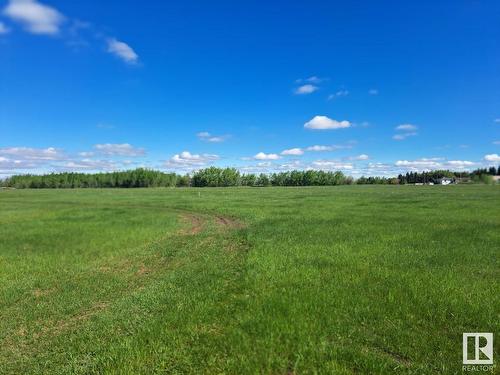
(347, 280)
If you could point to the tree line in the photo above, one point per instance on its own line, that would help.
(222, 177)
(482, 175)
(128, 179)
(139, 178)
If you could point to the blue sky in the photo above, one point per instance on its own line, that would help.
(369, 88)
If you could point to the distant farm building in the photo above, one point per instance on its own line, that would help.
(444, 181)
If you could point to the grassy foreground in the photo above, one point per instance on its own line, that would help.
(347, 280)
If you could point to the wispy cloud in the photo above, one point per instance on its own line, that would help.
(321, 164)
(9, 164)
(187, 160)
(325, 123)
(306, 89)
(313, 79)
(268, 167)
(402, 137)
(20, 159)
(37, 18)
(406, 127)
(207, 137)
(373, 92)
(425, 164)
(124, 149)
(406, 130)
(89, 165)
(318, 148)
(492, 157)
(293, 152)
(15, 159)
(28, 153)
(4, 29)
(338, 94)
(497, 120)
(331, 165)
(360, 157)
(264, 156)
(86, 154)
(496, 142)
(459, 164)
(123, 51)
(322, 148)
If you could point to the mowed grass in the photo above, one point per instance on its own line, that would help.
(347, 280)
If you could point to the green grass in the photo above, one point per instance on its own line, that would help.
(347, 280)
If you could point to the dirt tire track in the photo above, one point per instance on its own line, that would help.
(228, 223)
(197, 222)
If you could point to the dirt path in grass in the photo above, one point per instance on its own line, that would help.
(198, 222)
(195, 222)
(228, 223)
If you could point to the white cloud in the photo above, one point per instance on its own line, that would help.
(492, 157)
(124, 149)
(23, 158)
(3, 29)
(373, 92)
(27, 153)
(338, 94)
(8, 164)
(361, 157)
(380, 166)
(263, 156)
(188, 160)
(325, 123)
(330, 165)
(207, 137)
(306, 89)
(401, 137)
(88, 165)
(86, 154)
(420, 163)
(36, 17)
(319, 148)
(19, 159)
(496, 142)
(255, 168)
(425, 164)
(407, 128)
(459, 163)
(293, 165)
(293, 152)
(123, 51)
(314, 79)
(267, 167)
